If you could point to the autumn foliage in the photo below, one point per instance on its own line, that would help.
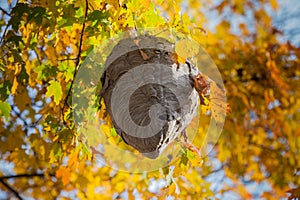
(43, 44)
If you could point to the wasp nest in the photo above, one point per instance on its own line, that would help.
(150, 96)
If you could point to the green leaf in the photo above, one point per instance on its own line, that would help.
(69, 70)
(65, 136)
(97, 17)
(56, 152)
(184, 159)
(34, 41)
(23, 76)
(85, 152)
(45, 71)
(17, 14)
(67, 18)
(190, 155)
(14, 38)
(54, 89)
(166, 170)
(5, 110)
(113, 132)
(79, 12)
(5, 88)
(37, 14)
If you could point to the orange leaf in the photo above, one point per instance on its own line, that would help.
(64, 173)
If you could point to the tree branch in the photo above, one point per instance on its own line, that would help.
(81, 36)
(11, 189)
(4, 33)
(35, 123)
(65, 59)
(2, 178)
(7, 25)
(18, 115)
(23, 175)
(37, 56)
(4, 11)
(77, 61)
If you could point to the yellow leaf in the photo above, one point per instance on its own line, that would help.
(14, 86)
(55, 90)
(172, 189)
(274, 4)
(21, 98)
(177, 8)
(120, 186)
(73, 158)
(219, 106)
(145, 3)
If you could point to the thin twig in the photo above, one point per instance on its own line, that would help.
(2, 178)
(11, 189)
(4, 11)
(18, 114)
(76, 63)
(65, 59)
(22, 176)
(37, 56)
(215, 170)
(7, 25)
(4, 33)
(34, 124)
(81, 35)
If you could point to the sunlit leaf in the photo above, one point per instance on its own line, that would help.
(54, 90)
(5, 110)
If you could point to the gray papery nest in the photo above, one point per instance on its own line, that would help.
(150, 96)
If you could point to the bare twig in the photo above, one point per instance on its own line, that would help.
(65, 59)
(26, 125)
(77, 61)
(18, 114)
(7, 25)
(11, 189)
(34, 124)
(4, 11)
(4, 33)
(81, 35)
(2, 178)
(37, 56)
(23, 175)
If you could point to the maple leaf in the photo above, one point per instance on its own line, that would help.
(54, 89)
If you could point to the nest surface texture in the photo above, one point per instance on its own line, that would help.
(141, 74)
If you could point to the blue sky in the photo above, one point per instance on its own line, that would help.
(286, 18)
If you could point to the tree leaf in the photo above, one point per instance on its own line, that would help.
(54, 90)
(5, 110)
